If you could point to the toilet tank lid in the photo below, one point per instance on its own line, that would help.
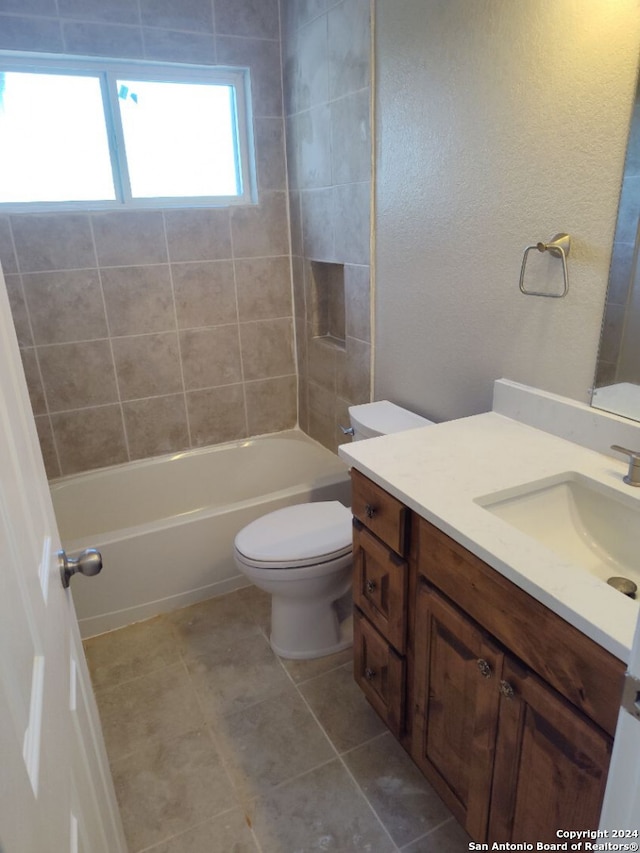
(298, 532)
(384, 418)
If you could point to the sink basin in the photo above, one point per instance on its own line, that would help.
(581, 520)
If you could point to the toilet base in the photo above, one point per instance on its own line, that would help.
(308, 632)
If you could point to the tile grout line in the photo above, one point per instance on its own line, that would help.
(342, 762)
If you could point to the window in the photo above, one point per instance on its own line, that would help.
(102, 134)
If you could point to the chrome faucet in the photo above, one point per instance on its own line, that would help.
(633, 477)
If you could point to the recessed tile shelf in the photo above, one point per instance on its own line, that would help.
(327, 293)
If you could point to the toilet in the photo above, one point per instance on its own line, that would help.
(301, 555)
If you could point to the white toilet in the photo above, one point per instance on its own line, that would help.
(301, 555)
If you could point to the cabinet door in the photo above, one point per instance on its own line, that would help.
(379, 671)
(551, 763)
(457, 674)
(380, 587)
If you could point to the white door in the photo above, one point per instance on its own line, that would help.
(621, 808)
(56, 793)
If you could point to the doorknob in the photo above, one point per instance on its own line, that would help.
(88, 563)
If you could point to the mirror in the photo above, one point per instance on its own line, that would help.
(617, 381)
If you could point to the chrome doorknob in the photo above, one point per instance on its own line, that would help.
(88, 563)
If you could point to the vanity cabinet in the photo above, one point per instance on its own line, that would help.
(380, 594)
(507, 709)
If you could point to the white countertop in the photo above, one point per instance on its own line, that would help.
(438, 471)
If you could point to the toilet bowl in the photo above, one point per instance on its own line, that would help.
(302, 556)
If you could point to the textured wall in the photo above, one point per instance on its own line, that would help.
(150, 332)
(326, 48)
(498, 125)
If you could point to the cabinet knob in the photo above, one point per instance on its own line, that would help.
(369, 674)
(369, 510)
(484, 667)
(507, 690)
(370, 586)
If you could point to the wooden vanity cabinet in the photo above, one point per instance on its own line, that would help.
(508, 710)
(511, 757)
(380, 595)
(504, 682)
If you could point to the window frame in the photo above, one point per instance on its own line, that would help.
(108, 71)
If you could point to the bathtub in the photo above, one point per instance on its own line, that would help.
(165, 526)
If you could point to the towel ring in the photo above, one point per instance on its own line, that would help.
(559, 247)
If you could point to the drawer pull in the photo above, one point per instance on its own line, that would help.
(370, 586)
(507, 690)
(369, 510)
(369, 674)
(484, 667)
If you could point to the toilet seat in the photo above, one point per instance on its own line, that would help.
(296, 536)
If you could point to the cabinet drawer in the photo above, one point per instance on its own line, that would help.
(379, 511)
(379, 671)
(380, 587)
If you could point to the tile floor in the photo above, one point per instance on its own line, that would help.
(218, 746)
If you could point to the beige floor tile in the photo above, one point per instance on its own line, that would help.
(208, 625)
(400, 795)
(170, 786)
(236, 675)
(271, 742)
(322, 810)
(228, 833)
(131, 652)
(341, 708)
(449, 838)
(154, 707)
(258, 605)
(303, 670)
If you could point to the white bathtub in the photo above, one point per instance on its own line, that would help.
(165, 526)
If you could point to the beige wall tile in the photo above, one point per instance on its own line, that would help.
(352, 381)
(19, 310)
(267, 348)
(357, 302)
(114, 11)
(7, 252)
(21, 33)
(348, 34)
(271, 404)
(34, 382)
(264, 288)
(351, 222)
(65, 306)
(129, 237)
(89, 438)
(217, 415)
(172, 46)
(191, 15)
(259, 18)
(198, 235)
(77, 375)
(263, 58)
(205, 293)
(138, 299)
(102, 40)
(270, 160)
(351, 138)
(147, 365)
(210, 357)
(321, 362)
(156, 426)
(53, 241)
(47, 446)
(263, 230)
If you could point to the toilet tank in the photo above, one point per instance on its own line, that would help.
(382, 418)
